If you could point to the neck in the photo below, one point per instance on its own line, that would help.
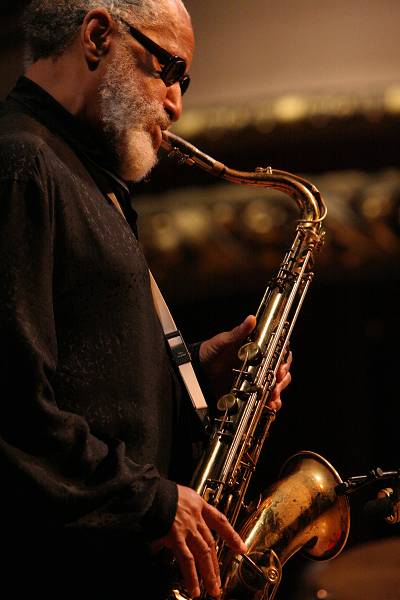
(65, 80)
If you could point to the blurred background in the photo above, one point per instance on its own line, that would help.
(311, 87)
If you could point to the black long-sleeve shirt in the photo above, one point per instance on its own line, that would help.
(90, 402)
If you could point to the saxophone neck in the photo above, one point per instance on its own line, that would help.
(305, 194)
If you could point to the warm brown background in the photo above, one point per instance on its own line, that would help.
(252, 48)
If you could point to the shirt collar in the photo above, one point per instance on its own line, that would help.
(43, 107)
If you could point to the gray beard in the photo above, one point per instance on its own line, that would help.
(127, 116)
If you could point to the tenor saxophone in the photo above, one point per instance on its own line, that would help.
(301, 511)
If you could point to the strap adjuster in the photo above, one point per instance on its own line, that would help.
(180, 353)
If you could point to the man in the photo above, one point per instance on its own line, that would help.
(96, 430)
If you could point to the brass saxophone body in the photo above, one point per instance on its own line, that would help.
(302, 509)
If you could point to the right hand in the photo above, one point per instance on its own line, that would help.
(192, 542)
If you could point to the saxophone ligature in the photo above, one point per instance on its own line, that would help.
(302, 511)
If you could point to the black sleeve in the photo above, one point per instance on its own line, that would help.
(53, 469)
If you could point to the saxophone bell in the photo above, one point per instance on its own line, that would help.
(300, 512)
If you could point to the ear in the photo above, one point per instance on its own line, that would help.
(96, 34)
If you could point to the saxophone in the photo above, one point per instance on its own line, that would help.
(302, 511)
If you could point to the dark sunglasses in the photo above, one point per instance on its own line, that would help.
(173, 68)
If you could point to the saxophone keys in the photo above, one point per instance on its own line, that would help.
(243, 373)
(227, 403)
(250, 352)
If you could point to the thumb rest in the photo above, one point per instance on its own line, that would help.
(301, 510)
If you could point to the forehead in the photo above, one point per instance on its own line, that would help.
(174, 33)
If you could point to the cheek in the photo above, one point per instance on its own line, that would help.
(152, 86)
(156, 91)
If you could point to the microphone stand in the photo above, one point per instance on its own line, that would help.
(387, 504)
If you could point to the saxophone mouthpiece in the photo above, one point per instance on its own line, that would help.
(185, 153)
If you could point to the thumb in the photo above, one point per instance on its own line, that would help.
(239, 333)
(227, 340)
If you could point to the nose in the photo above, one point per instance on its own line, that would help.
(173, 102)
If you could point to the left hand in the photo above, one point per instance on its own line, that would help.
(218, 357)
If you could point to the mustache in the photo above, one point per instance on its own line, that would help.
(155, 117)
(165, 122)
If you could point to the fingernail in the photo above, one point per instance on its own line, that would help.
(217, 592)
